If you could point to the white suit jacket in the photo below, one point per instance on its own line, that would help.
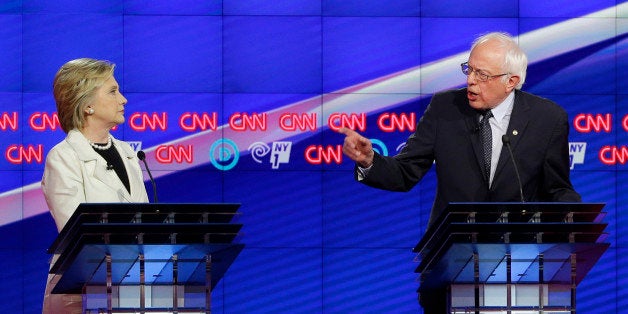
(75, 173)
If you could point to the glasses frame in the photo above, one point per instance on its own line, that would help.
(479, 75)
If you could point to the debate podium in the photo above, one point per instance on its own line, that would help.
(145, 258)
(511, 257)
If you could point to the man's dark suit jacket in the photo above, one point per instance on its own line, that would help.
(448, 134)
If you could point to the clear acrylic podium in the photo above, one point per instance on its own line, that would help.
(145, 258)
(511, 257)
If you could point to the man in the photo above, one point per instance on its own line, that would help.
(471, 163)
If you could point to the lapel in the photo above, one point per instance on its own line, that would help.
(516, 129)
(95, 165)
(472, 124)
(127, 157)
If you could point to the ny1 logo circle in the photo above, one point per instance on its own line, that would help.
(224, 154)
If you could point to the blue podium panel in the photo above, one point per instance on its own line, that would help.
(89, 267)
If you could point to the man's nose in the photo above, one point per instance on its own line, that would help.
(471, 78)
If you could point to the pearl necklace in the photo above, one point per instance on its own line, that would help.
(102, 147)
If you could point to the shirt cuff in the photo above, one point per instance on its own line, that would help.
(363, 172)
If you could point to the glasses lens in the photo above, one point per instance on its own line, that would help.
(465, 68)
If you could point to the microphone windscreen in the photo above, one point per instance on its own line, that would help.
(141, 155)
(505, 139)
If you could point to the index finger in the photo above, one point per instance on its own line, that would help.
(346, 131)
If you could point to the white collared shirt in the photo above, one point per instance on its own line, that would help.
(499, 125)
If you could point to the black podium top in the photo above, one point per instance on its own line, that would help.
(165, 235)
(99, 214)
(532, 217)
(532, 233)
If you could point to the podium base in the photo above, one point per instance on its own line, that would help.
(157, 299)
(524, 298)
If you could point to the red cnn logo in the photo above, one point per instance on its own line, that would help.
(192, 121)
(17, 154)
(587, 123)
(624, 123)
(391, 122)
(292, 122)
(42, 121)
(167, 154)
(8, 120)
(611, 155)
(248, 122)
(353, 121)
(140, 121)
(317, 154)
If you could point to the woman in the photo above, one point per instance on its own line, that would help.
(89, 165)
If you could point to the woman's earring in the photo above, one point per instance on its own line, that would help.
(90, 110)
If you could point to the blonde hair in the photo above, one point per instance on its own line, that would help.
(74, 87)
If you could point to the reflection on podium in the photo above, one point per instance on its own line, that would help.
(511, 257)
(145, 258)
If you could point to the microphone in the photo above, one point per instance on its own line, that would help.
(506, 141)
(142, 156)
(109, 166)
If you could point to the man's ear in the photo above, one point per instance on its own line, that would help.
(513, 81)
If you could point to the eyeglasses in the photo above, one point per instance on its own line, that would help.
(479, 74)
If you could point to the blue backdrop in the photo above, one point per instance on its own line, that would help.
(238, 101)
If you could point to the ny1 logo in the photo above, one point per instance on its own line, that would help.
(279, 152)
